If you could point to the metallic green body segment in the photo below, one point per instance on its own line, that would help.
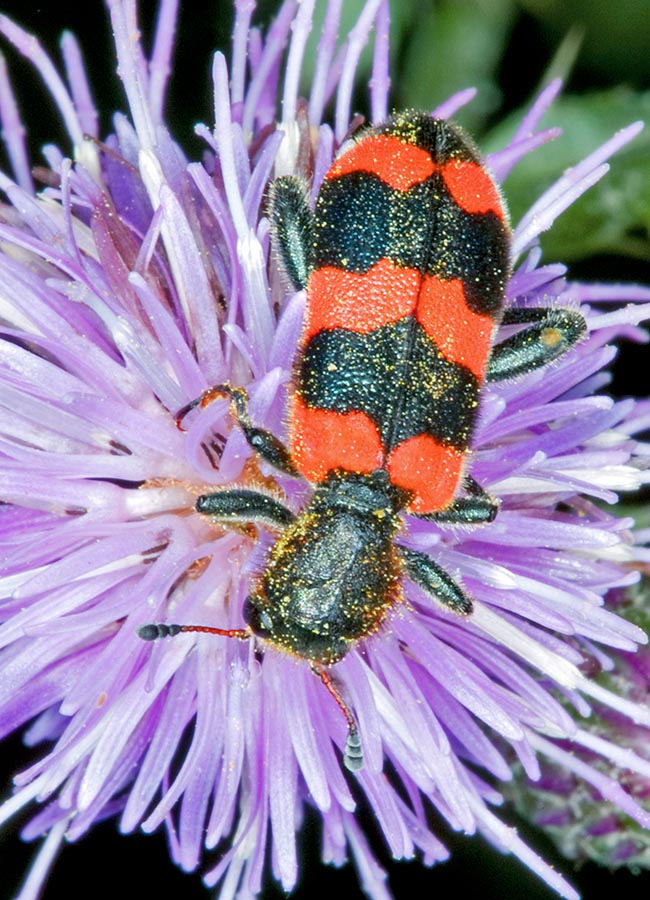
(396, 376)
(335, 572)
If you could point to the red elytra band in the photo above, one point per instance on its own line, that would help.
(402, 165)
(462, 335)
(322, 440)
(325, 439)
(431, 471)
(471, 187)
(387, 293)
(360, 302)
(391, 159)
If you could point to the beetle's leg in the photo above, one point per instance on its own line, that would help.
(474, 509)
(551, 332)
(292, 228)
(263, 442)
(353, 754)
(434, 581)
(241, 505)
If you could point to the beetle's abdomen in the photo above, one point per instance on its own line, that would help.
(412, 254)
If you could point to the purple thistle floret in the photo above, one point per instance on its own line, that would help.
(133, 282)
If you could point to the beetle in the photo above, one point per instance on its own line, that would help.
(404, 261)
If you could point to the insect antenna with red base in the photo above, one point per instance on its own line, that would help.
(154, 631)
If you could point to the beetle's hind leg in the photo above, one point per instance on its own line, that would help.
(476, 508)
(293, 229)
(551, 332)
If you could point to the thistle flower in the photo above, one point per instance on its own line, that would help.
(130, 284)
(575, 816)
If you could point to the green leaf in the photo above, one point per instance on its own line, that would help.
(617, 35)
(614, 215)
(450, 46)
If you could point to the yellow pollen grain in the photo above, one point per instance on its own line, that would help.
(551, 337)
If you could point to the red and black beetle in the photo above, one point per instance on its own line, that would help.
(405, 261)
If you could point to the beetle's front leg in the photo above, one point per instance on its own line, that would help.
(263, 442)
(242, 505)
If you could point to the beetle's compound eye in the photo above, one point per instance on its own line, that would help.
(258, 619)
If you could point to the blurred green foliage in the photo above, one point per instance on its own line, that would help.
(508, 49)
(616, 33)
(450, 46)
(614, 215)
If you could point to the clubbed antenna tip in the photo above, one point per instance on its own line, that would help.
(153, 631)
(353, 755)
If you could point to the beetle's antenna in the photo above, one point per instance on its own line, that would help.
(153, 631)
(353, 753)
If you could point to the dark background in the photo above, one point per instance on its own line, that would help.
(137, 865)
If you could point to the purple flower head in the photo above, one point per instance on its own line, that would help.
(133, 282)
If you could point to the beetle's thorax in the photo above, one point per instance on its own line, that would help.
(333, 573)
(349, 493)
